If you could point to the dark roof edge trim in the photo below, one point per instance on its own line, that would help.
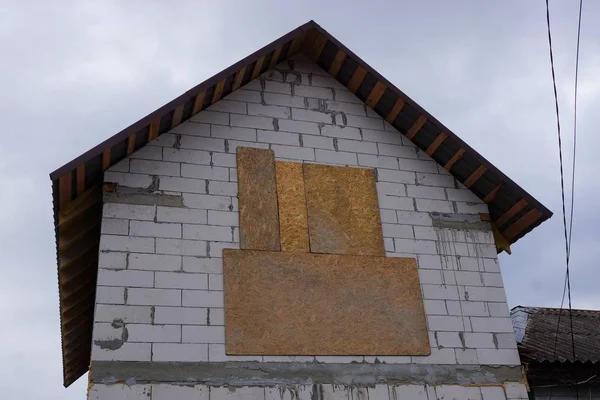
(136, 126)
(431, 118)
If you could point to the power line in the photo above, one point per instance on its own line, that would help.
(567, 232)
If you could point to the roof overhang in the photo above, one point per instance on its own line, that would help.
(76, 186)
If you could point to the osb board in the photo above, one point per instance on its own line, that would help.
(343, 211)
(257, 194)
(285, 303)
(293, 226)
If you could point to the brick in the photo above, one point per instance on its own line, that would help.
(127, 352)
(224, 160)
(250, 96)
(127, 314)
(128, 180)
(203, 265)
(204, 172)
(396, 203)
(445, 323)
(479, 340)
(207, 232)
(125, 278)
(312, 91)
(203, 334)
(491, 265)
(148, 153)
(294, 153)
(468, 278)
(216, 352)
(381, 136)
(340, 132)
(243, 393)
(437, 356)
(429, 261)
(181, 247)
(318, 142)
(180, 280)
(234, 144)
(417, 165)
(126, 243)
(173, 184)
(425, 192)
(282, 100)
(448, 339)
(191, 128)
(114, 226)
(466, 356)
(474, 309)
(164, 140)
(425, 232)
(434, 206)
(180, 315)
(491, 324)
(388, 245)
(216, 248)
(154, 333)
(397, 231)
(203, 298)
(228, 132)
(435, 307)
(207, 202)
(492, 393)
(364, 122)
(211, 117)
(386, 175)
(438, 180)
(110, 295)
(498, 309)
(154, 229)
(483, 294)
(278, 87)
(357, 146)
(217, 317)
(269, 111)
(224, 218)
(412, 392)
(118, 392)
(396, 150)
(228, 106)
(162, 168)
(183, 352)
(515, 390)
(506, 340)
(178, 214)
(154, 297)
(462, 195)
(335, 157)
(112, 260)
(471, 208)
(299, 114)
(451, 248)
(388, 216)
(348, 108)
(202, 143)
(248, 121)
(215, 282)
(498, 356)
(492, 279)
(128, 211)
(471, 264)
(377, 161)
(454, 307)
(439, 292)
(415, 246)
(431, 276)
(457, 392)
(392, 189)
(310, 128)
(292, 139)
(222, 188)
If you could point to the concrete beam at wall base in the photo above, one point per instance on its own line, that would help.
(238, 374)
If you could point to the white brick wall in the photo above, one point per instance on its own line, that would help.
(162, 391)
(169, 258)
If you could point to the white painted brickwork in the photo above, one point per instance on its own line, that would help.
(508, 391)
(164, 262)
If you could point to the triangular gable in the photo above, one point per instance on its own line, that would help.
(77, 185)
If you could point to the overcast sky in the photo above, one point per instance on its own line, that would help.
(74, 73)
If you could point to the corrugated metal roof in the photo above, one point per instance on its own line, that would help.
(536, 330)
(76, 186)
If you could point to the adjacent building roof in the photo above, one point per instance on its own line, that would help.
(537, 338)
(76, 186)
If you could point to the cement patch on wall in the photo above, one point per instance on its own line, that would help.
(238, 374)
